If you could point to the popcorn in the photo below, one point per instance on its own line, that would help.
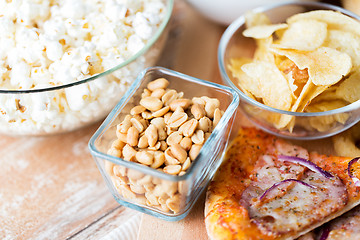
(47, 43)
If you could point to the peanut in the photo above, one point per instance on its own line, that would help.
(143, 142)
(186, 164)
(188, 128)
(217, 116)
(177, 118)
(163, 146)
(158, 83)
(137, 124)
(174, 138)
(124, 126)
(170, 158)
(161, 112)
(183, 103)
(178, 152)
(159, 122)
(132, 137)
(205, 124)
(134, 174)
(168, 97)
(109, 167)
(198, 111)
(114, 152)
(129, 153)
(144, 157)
(146, 115)
(210, 106)
(199, 101)
(137, 110)
(172, 169)
(155, 147)
(118, 144)
(198, 137)
(152, 135)
(151, 103)
(174, 203)
(119, 171)
(186, 143)
(158, 93)
(194, 151)
(159, 159)
(146, 93)
(165, 132)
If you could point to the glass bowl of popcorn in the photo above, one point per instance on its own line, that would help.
(65, 66)
(163, 142)
(295, 67)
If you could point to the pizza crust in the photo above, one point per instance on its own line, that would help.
(220, 197)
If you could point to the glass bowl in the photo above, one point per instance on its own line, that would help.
(56, 109)
(233, 44)
(226, 11)
(183, 190)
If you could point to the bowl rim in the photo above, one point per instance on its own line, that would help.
(230, 111)
(150, 42)
(233, 27)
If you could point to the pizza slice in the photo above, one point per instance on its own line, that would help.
(270, 189)
(345, 227)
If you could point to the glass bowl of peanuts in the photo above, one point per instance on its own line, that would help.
(164, 140)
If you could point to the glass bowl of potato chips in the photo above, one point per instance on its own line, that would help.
(296, 67)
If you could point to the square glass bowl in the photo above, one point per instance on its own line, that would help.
(169, 197)
(305, 125)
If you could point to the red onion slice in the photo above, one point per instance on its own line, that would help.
(282, 182)
(306, 163)
(324, 233)
(355, 179)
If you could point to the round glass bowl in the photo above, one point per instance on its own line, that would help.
(57, 109)
(233, 44)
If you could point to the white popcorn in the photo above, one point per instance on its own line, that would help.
(135, 44)
(77, 96)
(142, 27)
(54, 50)
(46, 43)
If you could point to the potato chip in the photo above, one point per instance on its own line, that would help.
(326, 66)
(271, 82)
(345, 144)
(324, 123)
(334, 20)
(309, 92)
(328, 95)
(262, 52)
(345, 42)
(248, 85)
(326, 106)
(263, 31)
(304, 35)
(349, 89)
(296, 78)
(255, 19)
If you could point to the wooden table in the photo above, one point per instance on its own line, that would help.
(51, 187)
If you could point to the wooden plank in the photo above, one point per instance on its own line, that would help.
(112, 225)
(191, 227)
(50, 186)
